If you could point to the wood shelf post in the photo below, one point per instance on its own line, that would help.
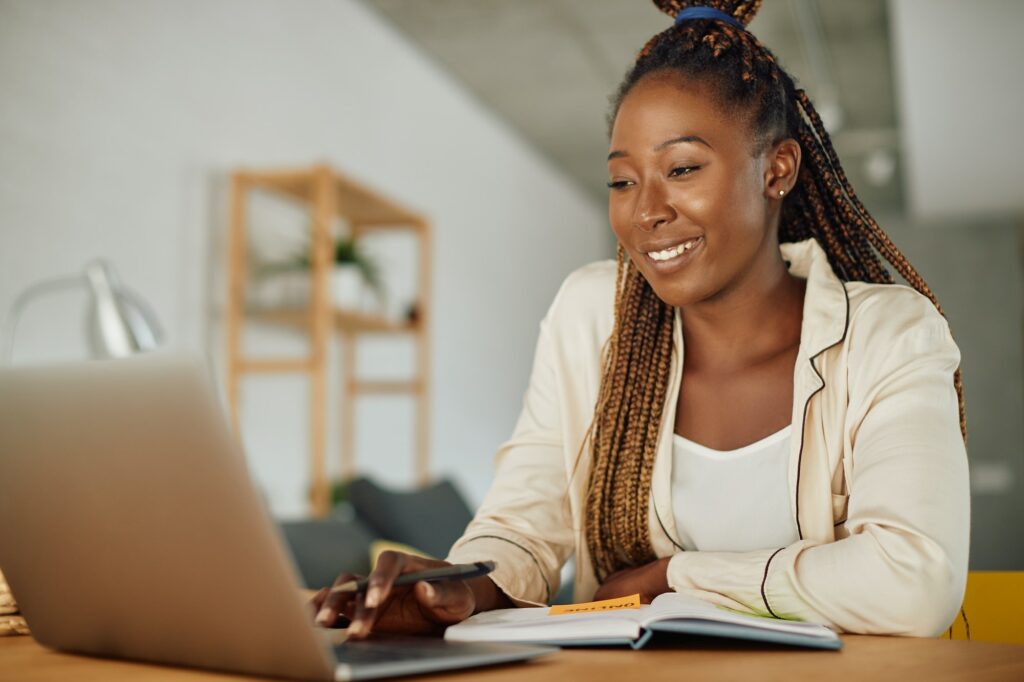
(321, 258)
(235, 297)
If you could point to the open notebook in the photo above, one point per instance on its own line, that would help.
(627, 622)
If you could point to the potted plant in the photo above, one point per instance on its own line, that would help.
(353, 281)
(353, 271)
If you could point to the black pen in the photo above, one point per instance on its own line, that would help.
(454, 572)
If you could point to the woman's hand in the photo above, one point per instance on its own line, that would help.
(422, 608)
(648, 580)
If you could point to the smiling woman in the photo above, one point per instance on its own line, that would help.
(810, 461)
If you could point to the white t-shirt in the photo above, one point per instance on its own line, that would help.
(734, 501)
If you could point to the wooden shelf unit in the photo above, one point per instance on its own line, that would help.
(328, 194)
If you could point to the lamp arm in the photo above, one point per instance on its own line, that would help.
(10, 324)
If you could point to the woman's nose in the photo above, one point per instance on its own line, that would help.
(652, 209)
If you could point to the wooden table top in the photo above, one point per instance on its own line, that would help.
(863, 658)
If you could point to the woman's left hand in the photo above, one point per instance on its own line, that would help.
(648, 580)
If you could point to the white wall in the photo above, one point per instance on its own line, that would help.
(958, 79)
(120, 120)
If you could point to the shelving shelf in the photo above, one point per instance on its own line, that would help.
(341, 319)
(328, 194)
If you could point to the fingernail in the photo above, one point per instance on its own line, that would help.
(324, 617)
(356, 628)
(373, 597)
(428, 589)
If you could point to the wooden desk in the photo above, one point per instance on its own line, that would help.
(862, 658)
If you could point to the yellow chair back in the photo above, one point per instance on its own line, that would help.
(994, 604)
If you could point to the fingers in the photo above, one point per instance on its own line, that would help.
(378, 589)
(445, 602)
(316, 601)
(420, 609)
(331, 604)
(389, 566)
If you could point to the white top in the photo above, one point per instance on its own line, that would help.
(734, 501)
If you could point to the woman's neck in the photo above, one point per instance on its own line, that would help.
(752, 322)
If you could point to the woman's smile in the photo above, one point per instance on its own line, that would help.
(668, 261)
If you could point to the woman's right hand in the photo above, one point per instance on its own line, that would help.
(421, 608)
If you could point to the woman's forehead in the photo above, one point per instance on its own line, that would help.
(664, 105)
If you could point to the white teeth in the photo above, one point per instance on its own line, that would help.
(673, 251)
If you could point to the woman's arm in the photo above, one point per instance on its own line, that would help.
(902, 569)
(524, 523)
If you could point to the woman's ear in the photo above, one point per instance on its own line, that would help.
(781, 169)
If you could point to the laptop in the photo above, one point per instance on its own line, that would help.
(129, 528)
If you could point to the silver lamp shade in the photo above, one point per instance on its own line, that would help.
(118, 322)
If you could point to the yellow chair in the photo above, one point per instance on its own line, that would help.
(994, 604)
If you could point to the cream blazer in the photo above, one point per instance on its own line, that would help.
(877, 469)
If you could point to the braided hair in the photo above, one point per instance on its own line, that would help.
(745, 76)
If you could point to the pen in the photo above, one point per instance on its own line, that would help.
(455, 572)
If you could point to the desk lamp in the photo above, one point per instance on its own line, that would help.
(118, 322)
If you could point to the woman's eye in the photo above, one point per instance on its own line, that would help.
(618, 184)
(682, 170)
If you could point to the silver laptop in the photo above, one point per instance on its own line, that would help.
(129, 528)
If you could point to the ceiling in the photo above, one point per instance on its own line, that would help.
(548, 67)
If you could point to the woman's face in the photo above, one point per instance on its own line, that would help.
(690, 205)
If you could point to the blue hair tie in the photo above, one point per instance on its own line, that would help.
(708, 13)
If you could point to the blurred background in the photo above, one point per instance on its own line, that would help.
(123, 125)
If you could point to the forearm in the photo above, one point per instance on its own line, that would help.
(881, 581)
(648, 581)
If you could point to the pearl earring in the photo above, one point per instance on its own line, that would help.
(781, 192)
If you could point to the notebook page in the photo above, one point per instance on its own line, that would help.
(674, 605)
(534, 624)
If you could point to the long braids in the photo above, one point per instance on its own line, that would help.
(636, 362)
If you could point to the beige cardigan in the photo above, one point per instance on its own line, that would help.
(877, 469)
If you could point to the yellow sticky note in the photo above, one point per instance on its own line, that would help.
(630, 602)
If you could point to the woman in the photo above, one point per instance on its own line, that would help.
(809, 463)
